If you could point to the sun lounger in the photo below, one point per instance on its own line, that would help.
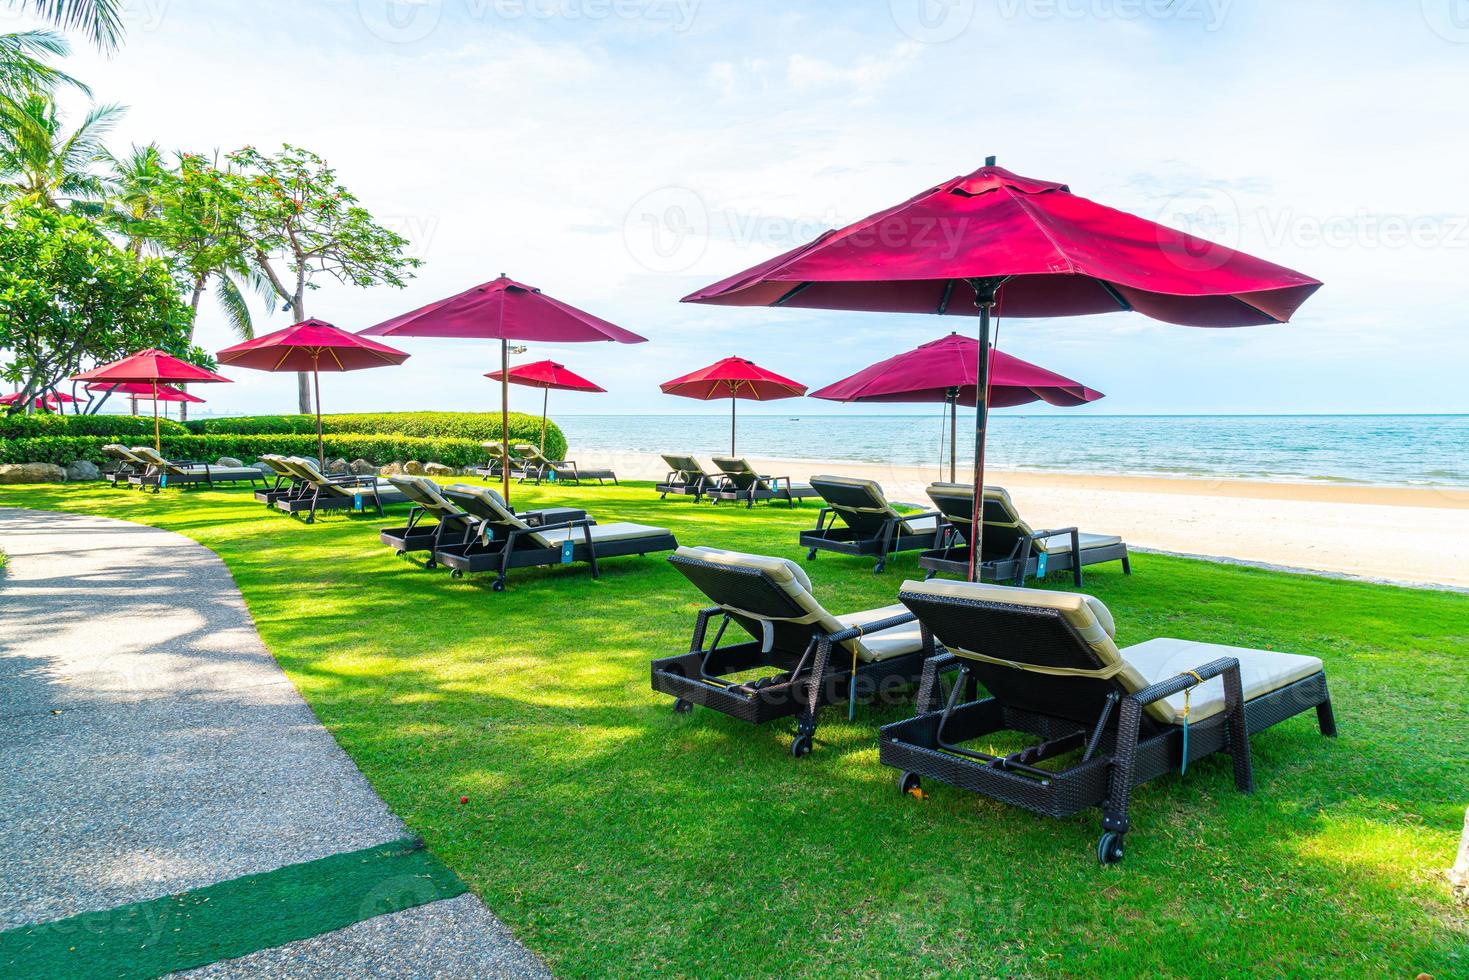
(872, 525)
(493, 466)
(1013, 551)
(508, 540)
(807, 657)
(162, 472)
(686, 478)
(1106, 719)
(123, 463)
(742, 482)
(285, 484)
(346, 492)
(538, 468)
(435, 521)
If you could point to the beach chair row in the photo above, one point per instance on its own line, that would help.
(733, 479)
(527, 463)
(142, 467)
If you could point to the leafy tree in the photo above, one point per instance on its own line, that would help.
(301, 223)
(100, 20)
(70, 298)
(41, 164)
(140, 179)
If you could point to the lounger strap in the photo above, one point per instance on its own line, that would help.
(767, 623)
(1098, 673)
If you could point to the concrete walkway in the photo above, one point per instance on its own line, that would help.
(153, 745)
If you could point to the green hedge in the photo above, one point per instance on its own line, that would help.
(123, 427)
(376, 449)
(475, 426)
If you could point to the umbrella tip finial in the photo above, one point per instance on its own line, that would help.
(989, 161)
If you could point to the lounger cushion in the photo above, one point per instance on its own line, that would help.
(602, 533)
(896, 641)
(1260, 671)
(781, 570)
(1060, 544)
(222, 472)
(1087, 614)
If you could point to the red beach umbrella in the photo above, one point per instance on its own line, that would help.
(152, 367)
(165, 393)
(734, 378)
(545, 375)
(1029, 248)
(946, 370)
(504, 310)
(49, 403)
(315, 346)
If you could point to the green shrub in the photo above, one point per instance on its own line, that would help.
(475, 426)
(122, 427)
(377, 449)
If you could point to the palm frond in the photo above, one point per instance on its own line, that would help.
(232, 304)
(100, 20)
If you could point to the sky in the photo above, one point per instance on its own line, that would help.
(619, 154)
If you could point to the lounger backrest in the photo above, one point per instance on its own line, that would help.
(686, 468)
(740, 473)
(532, 455)
(307, 470)
(497, 451)
(278, 464)
(488, 505)
(122, 453)
(770, 597)
(860, 503)
(151, 457)
(1035, 650)
(425, 494)
(1003, 525)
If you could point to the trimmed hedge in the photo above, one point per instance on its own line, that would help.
(376, 449)
(474, 426)
(120, 426)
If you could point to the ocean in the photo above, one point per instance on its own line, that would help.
(1401, 450)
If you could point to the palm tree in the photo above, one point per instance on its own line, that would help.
(100, 20)
(43, 165)
(140, 181)
(23, 64)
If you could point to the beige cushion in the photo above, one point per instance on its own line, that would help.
(1058, 544)
(877, 502)
(1260, 672)
(1085, 613)
(793, 580)
(601, 534)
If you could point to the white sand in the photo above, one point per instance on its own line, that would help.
(1398, 534)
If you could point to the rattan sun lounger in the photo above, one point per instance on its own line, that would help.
(286, 483)
(807, 657)
(1106, 719)
(493, 465)
(538, 468)
(740, 481)
(686, 478)
(162, 472)
(435, 521)
(345, 492)
(872, 526)
(511, 541)
(124, 463)
(1013, 551)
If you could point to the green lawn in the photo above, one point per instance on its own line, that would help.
(616, 837)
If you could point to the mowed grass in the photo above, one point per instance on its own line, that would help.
(615, 837)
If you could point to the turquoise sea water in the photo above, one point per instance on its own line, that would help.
(1406, 450)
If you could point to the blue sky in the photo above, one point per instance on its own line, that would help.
(620, 153)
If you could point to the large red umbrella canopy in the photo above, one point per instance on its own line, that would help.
(734, 378)
(134, 389)
(504, 310)
(947, 370)
(993, 240)
(545, 375)
(315, 346)
(152, 367)
(50, 403)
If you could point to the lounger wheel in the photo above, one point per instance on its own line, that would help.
(1109, 848)
(909, 784)
(811, 555)
(682, 707)
(801, 746)
(456, 573)
(428, 563)
(498, 586)
(880, 566)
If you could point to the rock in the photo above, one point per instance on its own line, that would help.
(392, 469)
(362, 467)
(228, 461)
(79, 470)
(413, 468)
(265, 468)
(32, 473)
(337, 467)
(438, 469)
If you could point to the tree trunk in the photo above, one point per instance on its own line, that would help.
(303, 380)
(193, 322)
(1459, 873)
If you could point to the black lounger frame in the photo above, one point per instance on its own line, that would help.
(518, 549)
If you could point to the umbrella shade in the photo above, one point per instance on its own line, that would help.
(315, 346)
(504, 310)
(134, 389)
(1059, 254)
(993, 240)
(50, 402)
(734, 378)
(947, 369)
(152, 367)
(546, 374)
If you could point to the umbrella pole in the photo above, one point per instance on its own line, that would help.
(545, 406)
(984, 298)
(954, 436)
(316, 391)
(732, 403)
(505, 420)
(157, 439)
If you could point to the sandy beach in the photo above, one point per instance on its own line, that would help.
(1398, 534)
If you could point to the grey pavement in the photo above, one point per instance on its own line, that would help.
(153, 745)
